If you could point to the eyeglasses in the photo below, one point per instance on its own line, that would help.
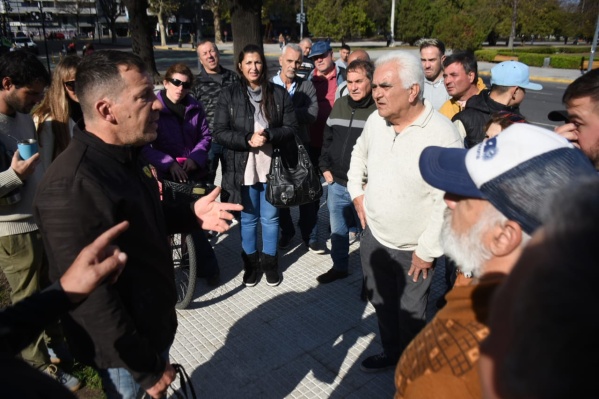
(70, 85)
(177, 83)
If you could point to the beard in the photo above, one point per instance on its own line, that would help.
(466, 249)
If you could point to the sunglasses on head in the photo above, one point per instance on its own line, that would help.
(177, 83)
(70, 85)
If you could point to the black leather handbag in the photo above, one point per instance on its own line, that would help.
(287, 186)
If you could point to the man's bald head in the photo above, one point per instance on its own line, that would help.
(358, 55)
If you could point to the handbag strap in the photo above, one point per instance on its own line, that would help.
(185, 383)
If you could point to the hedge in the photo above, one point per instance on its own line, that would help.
(549, 50)
(535, 60)
(485, 55)
(563, 61)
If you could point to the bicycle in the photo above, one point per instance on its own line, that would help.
(183, 247)
(185, 264)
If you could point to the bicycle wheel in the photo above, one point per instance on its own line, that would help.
(184, 261)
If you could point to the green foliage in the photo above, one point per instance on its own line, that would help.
(461, 31)
(415, 19)
(339, 19)
(536, 50)
(461, 24)
(163, 7)
(538, 17)
(573, 50)
(587, 15)
(530, 59)
(322, 19)
(87, 375)
(354, 22)
(565, 61)
(525, 55)
(485, 55)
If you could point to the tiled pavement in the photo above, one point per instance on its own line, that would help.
(297, 340)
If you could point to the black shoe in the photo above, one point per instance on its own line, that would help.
(284, 241)
(272, 278)
(331, 276)
(378, 362)
(317, 248)
(270, 268)
(250, 278)
(251, 267)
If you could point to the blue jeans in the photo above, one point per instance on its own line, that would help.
(255, 206)
(118, 383)
(342, 214)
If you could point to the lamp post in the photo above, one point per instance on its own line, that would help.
(98, 26)
(302, 22)
(392, 34)
(43, 17)
(594, 46)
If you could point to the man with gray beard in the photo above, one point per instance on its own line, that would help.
(497, 194)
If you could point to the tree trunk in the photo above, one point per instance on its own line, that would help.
(113, 32)
(162, 28)
(514, 21)
(216, 13)
(246, 23)
(141, 35)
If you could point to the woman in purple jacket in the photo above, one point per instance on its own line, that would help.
(180, 152)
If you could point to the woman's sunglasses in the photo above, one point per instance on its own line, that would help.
(177, 83)
(70, 85)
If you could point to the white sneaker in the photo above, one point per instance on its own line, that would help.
(68, 381)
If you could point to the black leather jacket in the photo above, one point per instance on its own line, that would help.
(91, 188)
(234, 124)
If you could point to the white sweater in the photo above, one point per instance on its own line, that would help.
(17, 218)
(402, 210)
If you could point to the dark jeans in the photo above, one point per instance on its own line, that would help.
(206, 262)
(215, 155)
(400, 304)
(307, 221)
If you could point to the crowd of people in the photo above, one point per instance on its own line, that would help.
(422, 164)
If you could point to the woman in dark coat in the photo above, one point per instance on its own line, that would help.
(252, 118)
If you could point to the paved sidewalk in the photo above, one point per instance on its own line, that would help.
(297, 340)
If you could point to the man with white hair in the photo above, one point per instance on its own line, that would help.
(401, 214)
(307, 64)
(497, 193)
(305, 104)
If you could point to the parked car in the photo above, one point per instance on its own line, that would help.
(25, 43)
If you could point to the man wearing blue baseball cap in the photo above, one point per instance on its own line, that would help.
(326, 78)
(497, 193)
(509, 82)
